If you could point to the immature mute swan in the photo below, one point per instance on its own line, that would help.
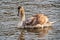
(37, 20)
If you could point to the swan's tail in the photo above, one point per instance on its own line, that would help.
(53, 22)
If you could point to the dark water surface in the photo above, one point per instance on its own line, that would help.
(9, 19)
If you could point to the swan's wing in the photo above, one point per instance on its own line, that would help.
(29, 20)
(47, 24)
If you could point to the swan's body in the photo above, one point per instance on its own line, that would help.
(38, 20)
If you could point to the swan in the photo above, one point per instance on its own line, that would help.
(37, 20)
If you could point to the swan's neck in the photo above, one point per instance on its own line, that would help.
(22, 18)
(21, 14)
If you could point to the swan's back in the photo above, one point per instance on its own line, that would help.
(41, 18)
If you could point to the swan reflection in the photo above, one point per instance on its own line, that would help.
(30, 34)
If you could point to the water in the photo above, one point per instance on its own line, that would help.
(9, 19)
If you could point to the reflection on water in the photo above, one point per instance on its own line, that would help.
(32, 34)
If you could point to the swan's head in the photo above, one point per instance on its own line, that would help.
(20, 11)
